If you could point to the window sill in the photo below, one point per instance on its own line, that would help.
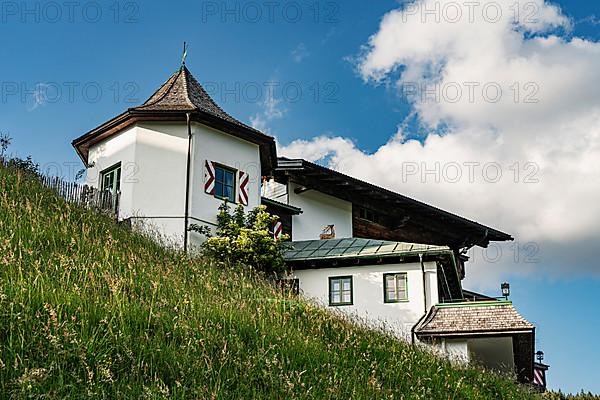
(225, 199)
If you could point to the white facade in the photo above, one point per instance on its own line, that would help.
(153, 158)
(318, 211)
(368, 293)
(118, 149)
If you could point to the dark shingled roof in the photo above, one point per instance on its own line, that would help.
(182, 92)
(180, 95)
(472, 318)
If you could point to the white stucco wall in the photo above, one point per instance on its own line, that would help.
(235, 153)
(153, 157)
(368, 296)
(120, 148)
(318, 211)
(159, 188)
(454, 349)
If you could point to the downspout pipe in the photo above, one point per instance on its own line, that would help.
(425, 310)
(412, 330)
(424, 282)
(187, 183)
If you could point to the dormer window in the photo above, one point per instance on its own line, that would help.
(225, 183)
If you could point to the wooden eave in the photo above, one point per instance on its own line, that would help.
(426, 224)
(475, 334)
(268, 154)
(282, 207)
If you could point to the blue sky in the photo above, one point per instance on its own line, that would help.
(63, 74)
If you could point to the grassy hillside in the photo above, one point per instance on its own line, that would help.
(90, 310)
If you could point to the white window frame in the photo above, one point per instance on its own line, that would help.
(397, 277)
(341, 291)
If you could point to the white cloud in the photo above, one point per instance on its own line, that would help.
(271, 110)
(547, 120)
(300, 53)
(40, 96)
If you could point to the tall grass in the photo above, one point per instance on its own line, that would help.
(89, 309)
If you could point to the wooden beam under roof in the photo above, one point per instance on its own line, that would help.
(438, 226)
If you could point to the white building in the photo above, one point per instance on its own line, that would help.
(384, 257)
(173, 160)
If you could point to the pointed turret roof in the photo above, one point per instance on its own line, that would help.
(180, 95)
(183, 92)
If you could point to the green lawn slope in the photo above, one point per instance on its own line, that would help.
(89, 309)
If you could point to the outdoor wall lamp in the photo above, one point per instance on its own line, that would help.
(539, 355)
(505, 290)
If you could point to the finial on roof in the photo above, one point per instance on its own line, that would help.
(184, 54)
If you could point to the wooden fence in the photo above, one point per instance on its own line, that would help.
(84, 195)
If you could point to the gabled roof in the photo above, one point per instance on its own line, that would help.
(473, 319)
(414, 221)
(179, 95)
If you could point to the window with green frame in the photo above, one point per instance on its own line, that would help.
(340, 291)
(111, 179)
(395, 287)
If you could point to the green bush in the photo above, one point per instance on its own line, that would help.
(245, 240)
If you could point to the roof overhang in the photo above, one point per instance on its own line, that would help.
(282, 207)
(308, 254)
(474, 334)
(268, 152)
(426, 223)
(365, 261)
(541, 366)
(357, 260)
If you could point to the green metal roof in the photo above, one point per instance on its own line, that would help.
(354, 248)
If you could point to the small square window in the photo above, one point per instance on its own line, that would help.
(395, 287)
(340, 291)
(225, 183)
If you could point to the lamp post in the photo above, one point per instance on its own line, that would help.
(505, 287)
(539, 355)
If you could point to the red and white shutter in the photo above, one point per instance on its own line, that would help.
(243, 187)
(538, 377)
(209, 177)
(277, 230)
